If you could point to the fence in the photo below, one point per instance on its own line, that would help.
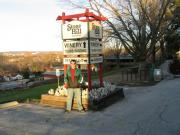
(132, 76)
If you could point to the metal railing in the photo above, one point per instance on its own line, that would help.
(130, 76)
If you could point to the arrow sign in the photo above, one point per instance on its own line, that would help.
(84, 43)
(81, 47)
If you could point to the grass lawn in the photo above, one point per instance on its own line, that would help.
(25, 94)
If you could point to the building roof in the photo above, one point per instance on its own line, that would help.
(121, 57)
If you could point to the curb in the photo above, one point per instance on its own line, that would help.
(9, 104)
(177, 76)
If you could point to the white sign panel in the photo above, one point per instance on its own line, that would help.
(78, 29)
(75, 47)
(98, 59)
(81, 47)
(78, 60)
(74, 30)
(96, 47)
(57, 72)
(95, 30)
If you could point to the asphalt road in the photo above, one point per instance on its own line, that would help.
(152, 110)
(12, 84)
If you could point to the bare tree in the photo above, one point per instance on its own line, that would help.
(138, 24)
(114, 48)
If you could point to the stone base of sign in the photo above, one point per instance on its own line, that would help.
(60, 101)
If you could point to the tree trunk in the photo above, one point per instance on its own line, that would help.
(162, 50)
(154, 54)
(117, 61)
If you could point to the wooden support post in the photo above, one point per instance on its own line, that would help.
(63, 22)
(127, 75)
(122, 75)
(100, 75)
(89, 55)
(65, 69)
(89, 77)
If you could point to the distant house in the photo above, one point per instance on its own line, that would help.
(17, 77)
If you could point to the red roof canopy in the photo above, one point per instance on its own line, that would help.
(87, 16)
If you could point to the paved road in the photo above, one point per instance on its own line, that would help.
(152, 110)
(12, 84)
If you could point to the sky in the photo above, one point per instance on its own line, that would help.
(30, 25)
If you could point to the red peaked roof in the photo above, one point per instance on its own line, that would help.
(82, 17)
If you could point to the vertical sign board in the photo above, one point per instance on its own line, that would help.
(85, 52)
(78, 29)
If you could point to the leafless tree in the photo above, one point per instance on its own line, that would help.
(138, 24)
(114, 48)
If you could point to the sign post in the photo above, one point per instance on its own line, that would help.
(58, 74)
(89, 54)
(82, 35)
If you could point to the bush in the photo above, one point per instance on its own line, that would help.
(175, 67)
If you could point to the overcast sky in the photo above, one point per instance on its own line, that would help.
(30, 25)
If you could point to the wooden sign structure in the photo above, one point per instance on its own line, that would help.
(82, 35)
